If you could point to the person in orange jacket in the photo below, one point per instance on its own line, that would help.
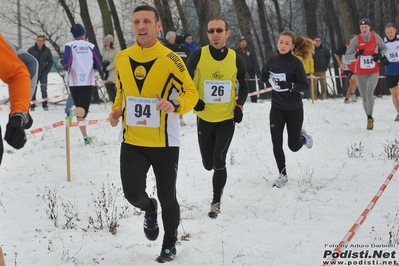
(14, 73)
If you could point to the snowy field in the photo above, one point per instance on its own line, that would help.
(329, 187)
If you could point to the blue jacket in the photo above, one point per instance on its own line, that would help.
(190, 46)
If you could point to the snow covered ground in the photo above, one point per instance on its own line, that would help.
(329, 187)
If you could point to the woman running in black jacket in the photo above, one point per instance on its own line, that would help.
(285, 73)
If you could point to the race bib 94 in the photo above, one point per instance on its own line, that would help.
(142, 112)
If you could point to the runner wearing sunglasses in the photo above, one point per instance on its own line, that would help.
(215, 69)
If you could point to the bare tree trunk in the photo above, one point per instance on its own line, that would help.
(390, 11)
(106, 17)
(349, 16)
(330, 19)
(243, 13)
(260, 47)
(334, 19)
(362, 8)
(84, 13)
(265, 33)
(278, 14)
(118, 27)
(206, 9)
(67, 11)
(182, 16)
(381, 22)
(310, 7)
(163, 8)
(371, 12)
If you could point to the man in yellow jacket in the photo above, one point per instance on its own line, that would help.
(153, 88)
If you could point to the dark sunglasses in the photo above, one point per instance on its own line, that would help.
(219, 30)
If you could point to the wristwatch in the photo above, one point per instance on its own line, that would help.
(175, 104)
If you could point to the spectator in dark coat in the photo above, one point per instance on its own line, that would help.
(252, 65)
(45, 59)
(184, 53)
(170, 40)
(322, 58)
(180, 49)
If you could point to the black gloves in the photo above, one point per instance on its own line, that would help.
(284, 84)
(15, 133)
(385, 60)
(200, 106)
(360, 52)
(105, 64)
(376, 57)
(237, 114)
(264, 75)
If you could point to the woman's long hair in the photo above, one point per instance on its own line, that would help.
(304, 47)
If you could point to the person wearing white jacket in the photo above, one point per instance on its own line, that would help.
(108, 66)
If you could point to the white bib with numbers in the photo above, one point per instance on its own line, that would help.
(366, 62)
(274, 78)
(392, 55)
(217, 91)
(142, 112)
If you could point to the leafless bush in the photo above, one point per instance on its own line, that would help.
(106, 211)
(392, 150)
(355, 150)
(104, 204)
(49, 200)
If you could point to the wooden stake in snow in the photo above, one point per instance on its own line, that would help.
(312, 89)
(68, 150)
(79, 112)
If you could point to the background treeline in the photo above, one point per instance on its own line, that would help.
(258, 20)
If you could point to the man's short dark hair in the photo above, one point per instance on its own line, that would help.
(219, 18)
(41, 36)
(147, 8)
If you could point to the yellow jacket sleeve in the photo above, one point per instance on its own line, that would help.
(188, 97)
(311, 66)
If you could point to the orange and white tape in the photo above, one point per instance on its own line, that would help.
(49, 98)
(62, 123)
(352, 231)
(260, 91)
(4, 108)
(45, 84)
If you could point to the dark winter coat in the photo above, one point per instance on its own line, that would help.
(250, 61)
(44, 57)
(170, 46)
(182, 51)
(321, 58)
